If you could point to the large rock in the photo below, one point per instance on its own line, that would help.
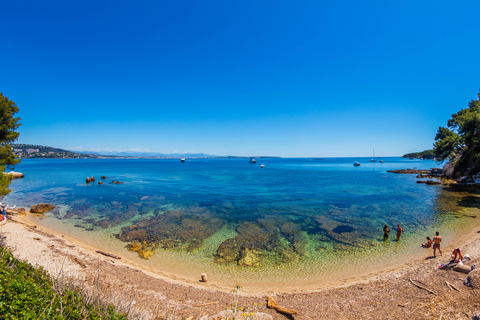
(473, 279)
(462, 268)
(15, 175)
(227, 251)
(41, 208)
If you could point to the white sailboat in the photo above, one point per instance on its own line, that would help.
(373, 159)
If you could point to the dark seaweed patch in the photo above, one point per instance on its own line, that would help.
(343, 228)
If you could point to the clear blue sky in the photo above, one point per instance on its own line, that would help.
(284, 78)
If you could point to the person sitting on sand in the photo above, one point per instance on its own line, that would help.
(436, 243)
(427, 244)
(3, 209)
(457, 252)
(386, 231)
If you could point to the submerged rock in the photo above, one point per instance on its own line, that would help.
(144, 250)
(249, 257)
(227, 251)
(41, 208)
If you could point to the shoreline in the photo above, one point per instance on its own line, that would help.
(56, 252)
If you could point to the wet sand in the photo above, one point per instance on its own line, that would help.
(388, 294)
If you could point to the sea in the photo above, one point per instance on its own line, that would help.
(291, 224)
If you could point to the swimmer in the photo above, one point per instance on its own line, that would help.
(399, 232)
(427, 244)
(386, 231)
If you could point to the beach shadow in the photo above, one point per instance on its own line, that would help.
(431, 257)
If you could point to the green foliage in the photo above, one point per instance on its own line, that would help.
(30, 293)
(460, 140)
(8, 125)
(427, 154)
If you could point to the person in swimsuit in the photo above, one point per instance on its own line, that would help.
(399, 232)
(436, 243)
(427, 244)
(386, 231)
(457, 252)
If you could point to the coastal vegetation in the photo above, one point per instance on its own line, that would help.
(8, 126)
(459, 142)
(427, 154)
(36, 151)
(27, 292)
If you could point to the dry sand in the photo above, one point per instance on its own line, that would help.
(389, 295)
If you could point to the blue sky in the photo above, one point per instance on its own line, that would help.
(283, 78)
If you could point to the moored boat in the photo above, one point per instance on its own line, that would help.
(356, 164)
(252, 161)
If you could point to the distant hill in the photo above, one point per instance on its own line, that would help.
(427, 154)
(36, 151)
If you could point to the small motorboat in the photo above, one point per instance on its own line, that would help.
(252, 161)
(356, 164)
(262, 166)
(182, 160)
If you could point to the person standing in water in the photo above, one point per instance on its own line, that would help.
(386, 231)
(436, 243)
(399, 232)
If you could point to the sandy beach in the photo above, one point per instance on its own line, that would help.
(388, 295)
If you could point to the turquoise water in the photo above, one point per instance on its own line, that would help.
(235, 216)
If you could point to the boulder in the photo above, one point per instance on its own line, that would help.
(41, 208)
(88, 179)
(227, 251)
(103, 178)
(473, 279)
(92, 178)
(100, 182)
(462, 268)
(14, 175)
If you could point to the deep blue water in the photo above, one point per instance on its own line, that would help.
(285, 209)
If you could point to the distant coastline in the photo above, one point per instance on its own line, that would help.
(31, 151)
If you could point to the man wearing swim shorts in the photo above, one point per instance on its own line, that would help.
(386, 231)
(436, 243)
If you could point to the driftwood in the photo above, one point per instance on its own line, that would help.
(421, 287)
(108, 254)
(464, 215)
(451, 286)
(79, 262)
(272, 304)
(205, 304)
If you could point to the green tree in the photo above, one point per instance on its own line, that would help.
(8, 124)
(460, 140)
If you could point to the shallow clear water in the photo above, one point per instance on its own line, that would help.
(307, 218)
